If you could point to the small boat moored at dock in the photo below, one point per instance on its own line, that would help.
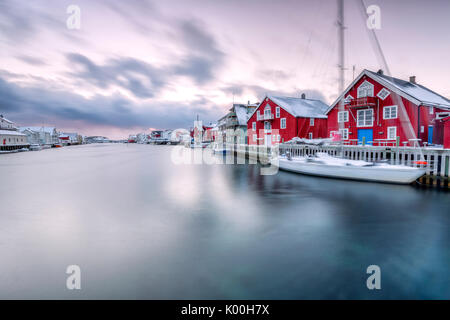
(220, 149)
(325, 165)
(35, 147)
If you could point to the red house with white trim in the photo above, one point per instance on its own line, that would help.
(377, 109)
(279, 119)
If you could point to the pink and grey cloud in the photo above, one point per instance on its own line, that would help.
(135, 65)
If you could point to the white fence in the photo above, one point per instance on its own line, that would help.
(436, 162)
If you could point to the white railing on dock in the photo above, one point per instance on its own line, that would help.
(435, 161)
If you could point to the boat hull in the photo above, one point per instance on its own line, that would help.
(220, 151)
(384, 174)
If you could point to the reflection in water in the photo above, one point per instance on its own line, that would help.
(142, 227)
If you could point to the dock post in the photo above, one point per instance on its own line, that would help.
(397, 143)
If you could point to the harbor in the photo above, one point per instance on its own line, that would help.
(142, 227)
(223, 159)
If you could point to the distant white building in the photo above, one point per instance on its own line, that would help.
(10, 138)
(69, 138)
(166, 135)
(33, 137)
(47, 135)
(141, 138)
(6, 124)
(96, 139)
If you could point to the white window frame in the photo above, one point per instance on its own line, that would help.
(254, 125)
(364, 125)
(381, 95)
(277, 112)
(278, 138)
(345, 113)
(344, 133)
(365, 86)
(267, 111)
(283, 120)
(395, 133)
(255, 137)
(431, 110)
(269, 124)
(442, 115)
(311, 122)
(390, 112)
(310, 135)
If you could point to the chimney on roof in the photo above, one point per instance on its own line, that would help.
(380, 72)
(412, 79)
(303, 96)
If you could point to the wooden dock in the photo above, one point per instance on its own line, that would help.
(436, 162)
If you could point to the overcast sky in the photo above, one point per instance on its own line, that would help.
(136, 65)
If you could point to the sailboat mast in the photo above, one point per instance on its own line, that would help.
(341, 27)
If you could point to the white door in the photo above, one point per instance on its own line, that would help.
(268, 140)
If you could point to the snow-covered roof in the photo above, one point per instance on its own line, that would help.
(11, 133)
(6, 120)
(298, 107)
(50, 130)
(70, 134)
(421, 93)
(414, 92)
(241, 113)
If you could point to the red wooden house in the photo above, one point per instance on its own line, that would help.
(208, 133)
(444, 129)
(377, 109)
(279, 119)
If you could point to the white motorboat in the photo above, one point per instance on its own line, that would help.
(35, 147)
(220, 149)
(202, 145)
(325, 165)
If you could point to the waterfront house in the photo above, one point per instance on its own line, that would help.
(33, 137)
(73, 138)
(96, 139)
(10, 137)
(166, 135)
(221, 129)
(156, 136)
(12, 140)
(209, 132)
(6, 124)
(234, 123)
(47, 135)
(279, 119)
(376, 108)
(443, 129)
(132, 138)
(141, 138)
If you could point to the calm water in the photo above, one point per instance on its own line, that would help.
(142, 227)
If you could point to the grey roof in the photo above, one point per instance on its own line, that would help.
(50, 130)
(417, 91)
(298, 107)
(241, 113)
(6, 120)
(11, 133)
